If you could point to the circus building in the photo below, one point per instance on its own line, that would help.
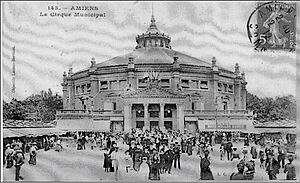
(155, 86)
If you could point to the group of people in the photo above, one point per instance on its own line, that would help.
(152, 153)
(15, 156)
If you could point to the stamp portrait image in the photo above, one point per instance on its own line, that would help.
(144, 91)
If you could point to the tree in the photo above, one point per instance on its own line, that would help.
(44, 105)
(270, 109)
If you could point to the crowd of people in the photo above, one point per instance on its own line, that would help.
(153, 153)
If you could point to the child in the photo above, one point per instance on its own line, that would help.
(289, 168)
(261, 158)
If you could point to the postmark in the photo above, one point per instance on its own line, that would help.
(272, 26)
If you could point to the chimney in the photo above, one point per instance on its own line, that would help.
(130, 62)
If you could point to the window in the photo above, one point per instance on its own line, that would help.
(82, 88)
(113, 85)
(78, 89)
(219, 86)
(185, 83)
(230, 88)
(142, 83)
(154, 114)
(139, 113)
(204, 85)
(225, 87)
(193, 105)
(88, 87)
(114, 106)
(194, 84)
(165, 83)
(140, 124)
(103, 85)
(168, 113)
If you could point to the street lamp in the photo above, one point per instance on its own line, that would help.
(216, 107)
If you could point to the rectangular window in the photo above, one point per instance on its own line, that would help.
(154, 114)
(165, 83)
(230, 88)
(204, 85)
(185, 83)
(225, 87)
(82, 88)
(142, 83)
(193, 105)
(219, 86)
(113, 85)
(114, 106)
(78, 89)
(88, 87)
(103, 85)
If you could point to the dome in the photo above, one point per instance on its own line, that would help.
(153, 55)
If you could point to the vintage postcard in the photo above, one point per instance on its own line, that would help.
(140, 91)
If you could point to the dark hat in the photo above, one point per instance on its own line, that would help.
(19, 151)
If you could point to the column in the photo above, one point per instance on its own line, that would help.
(161, 116)
(127, 118)
(180, 117)
(146, 119)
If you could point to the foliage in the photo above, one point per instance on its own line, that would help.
(270, 109)
(43, 106)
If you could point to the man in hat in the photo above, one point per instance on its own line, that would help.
(240, 174)
(176, 151)
(32, 153)
(9, 156)
(290, 169)
(273, 167)
(206, 173)
(19, 161)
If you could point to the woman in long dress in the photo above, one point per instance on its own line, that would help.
(106, 161)
(115, 162)
(144, 169)
(206, 173)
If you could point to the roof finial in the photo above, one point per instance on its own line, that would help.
(152, 17)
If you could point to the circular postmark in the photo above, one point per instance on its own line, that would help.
(272, 26)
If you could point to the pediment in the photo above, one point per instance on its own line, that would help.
(153, 92)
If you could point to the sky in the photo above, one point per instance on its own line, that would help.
(47, 46)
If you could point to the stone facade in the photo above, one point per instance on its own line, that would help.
(154, 87)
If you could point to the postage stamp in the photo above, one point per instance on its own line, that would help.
(272, 26)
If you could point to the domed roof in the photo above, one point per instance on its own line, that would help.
(153, 55)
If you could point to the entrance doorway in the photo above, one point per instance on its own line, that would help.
(168, 125)
(153, 125)
(140, 124)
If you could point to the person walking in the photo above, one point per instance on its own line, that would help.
(115, 162)
(32, 153)
(206, 173)
(9, 156)
(19, 161)
(169, 160)
(290, 169)
(176, 155)
(240, 174)
(272, 167)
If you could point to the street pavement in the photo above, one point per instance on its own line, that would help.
(87, 165)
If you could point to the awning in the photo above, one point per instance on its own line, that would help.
(19, 132)
(101, 125)
(277, 130)
(74, 125)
